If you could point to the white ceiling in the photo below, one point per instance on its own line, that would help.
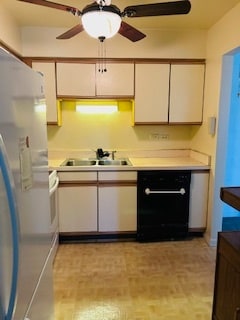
(204, 14)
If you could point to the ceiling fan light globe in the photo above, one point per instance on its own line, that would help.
(101, 23)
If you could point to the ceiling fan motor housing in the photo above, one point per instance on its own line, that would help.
(95, 7)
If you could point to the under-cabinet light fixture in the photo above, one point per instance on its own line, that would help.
(96, 109)
(41, 107)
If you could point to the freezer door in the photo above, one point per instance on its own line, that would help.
(9, 238)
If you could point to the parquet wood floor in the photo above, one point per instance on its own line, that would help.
(134, 281)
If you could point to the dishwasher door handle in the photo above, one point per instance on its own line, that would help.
(148, 191)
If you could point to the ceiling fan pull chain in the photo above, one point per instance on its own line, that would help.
(99, 56)
(102, 55)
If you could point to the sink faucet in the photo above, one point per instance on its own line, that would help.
(113, 154)
(100, 153)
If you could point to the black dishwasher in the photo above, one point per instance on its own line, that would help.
(163, 205)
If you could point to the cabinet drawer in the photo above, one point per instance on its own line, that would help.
(77, 176)
(118, 176)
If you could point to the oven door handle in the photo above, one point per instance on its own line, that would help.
(182, 191)
(54, 187)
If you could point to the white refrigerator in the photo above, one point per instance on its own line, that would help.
(26, 278)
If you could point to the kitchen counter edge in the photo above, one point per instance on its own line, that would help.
(146, 164)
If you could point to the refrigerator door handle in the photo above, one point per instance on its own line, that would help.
(9, 185)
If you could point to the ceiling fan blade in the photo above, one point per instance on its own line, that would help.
(130, 32)
(71, 32)
(54, 5)
(158, 9)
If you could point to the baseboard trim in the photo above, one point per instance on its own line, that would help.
(79, 237)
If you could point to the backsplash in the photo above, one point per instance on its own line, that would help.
(113, 132)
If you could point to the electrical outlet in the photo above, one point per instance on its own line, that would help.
(158, 136)
(163, 136)
(154, 136)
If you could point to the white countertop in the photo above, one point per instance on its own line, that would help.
(160, 163)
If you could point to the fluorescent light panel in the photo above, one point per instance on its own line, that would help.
(96, 109)
(40, 108)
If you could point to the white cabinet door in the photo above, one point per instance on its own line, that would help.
(151, 93)
(84, 80)
(198, 200)
(77, 208)
(118, 80)
(76, 79)
(117, 201)
(48, 71)
(186, 93)
(117, 208)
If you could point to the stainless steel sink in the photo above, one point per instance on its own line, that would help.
(79, 162)
(118, 162)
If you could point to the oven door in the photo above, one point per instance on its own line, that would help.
(53, 187)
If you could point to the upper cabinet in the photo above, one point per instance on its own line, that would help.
(165, 91)
(118, 80)
(75, 79)
(186, 93)
(83, 80)
(151, 93)
(169, 93)
(48, 71)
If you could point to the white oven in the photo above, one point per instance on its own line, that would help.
(53, 186)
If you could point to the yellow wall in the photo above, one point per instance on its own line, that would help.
(113, 131)
(10, 34)
(79, 132)
(222, 38)
(172, 43)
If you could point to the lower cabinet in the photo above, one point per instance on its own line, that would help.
(106, 201)
(77, 196)
(97, 201)
(77, 208)
(198, 204)
(117, 201)
(117, 208)
(226, 303)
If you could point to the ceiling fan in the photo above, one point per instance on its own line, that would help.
(102, 20)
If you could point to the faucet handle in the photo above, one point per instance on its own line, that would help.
(113, 154)
(100, 153)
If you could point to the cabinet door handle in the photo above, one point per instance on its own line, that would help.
(181, 191)
(237, 314)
